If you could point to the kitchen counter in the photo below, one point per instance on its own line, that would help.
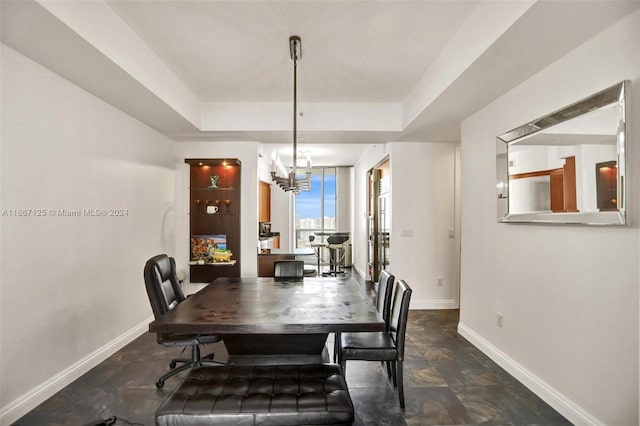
(267, 236)
(305, 251)
(266, 261)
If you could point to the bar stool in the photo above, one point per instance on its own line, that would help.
(317, 248)
(337, 252)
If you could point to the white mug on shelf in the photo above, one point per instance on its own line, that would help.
(212, 209)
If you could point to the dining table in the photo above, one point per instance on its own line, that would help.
(268, 320)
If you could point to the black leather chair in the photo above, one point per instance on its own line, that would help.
(287, 269)
(383, 305)
(383, 297)
(384, 345)
(165, 294)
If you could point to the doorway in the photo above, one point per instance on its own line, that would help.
(379, 219)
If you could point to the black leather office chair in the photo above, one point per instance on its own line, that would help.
(384, 345)
(287, 269)
(165, 294)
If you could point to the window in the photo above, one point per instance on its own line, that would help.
(316, 209)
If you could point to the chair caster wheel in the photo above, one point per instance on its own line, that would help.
(172, 365)
(160, 384)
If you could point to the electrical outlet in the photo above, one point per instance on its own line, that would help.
(439, 281)
(500, 319)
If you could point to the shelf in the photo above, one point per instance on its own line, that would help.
(194, 263)
(215, 162)
(211, 189)
(215, 184)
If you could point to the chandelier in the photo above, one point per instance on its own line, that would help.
(288, 181)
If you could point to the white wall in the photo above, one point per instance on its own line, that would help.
(280, 201)
(634, 126)
(282, 216)
(247, 153)
(422, 205)
(72, 287)
(533, 158)
(569, 295)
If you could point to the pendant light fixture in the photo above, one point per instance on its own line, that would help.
(289, 181)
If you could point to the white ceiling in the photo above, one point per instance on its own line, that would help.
(351, 51)
(371, 71)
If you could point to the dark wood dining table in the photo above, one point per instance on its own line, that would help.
(266, 320)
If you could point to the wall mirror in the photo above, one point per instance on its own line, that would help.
(567, 167)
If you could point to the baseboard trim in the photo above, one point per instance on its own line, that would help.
(569, 409)
(359, 271)
(434, 304)
(36, 396)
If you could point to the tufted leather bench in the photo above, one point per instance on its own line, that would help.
(275, 395)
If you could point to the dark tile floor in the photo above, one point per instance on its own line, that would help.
(447, 382)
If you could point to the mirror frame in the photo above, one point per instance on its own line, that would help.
(616, 94)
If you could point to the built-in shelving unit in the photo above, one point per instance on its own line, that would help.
(214, 218)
